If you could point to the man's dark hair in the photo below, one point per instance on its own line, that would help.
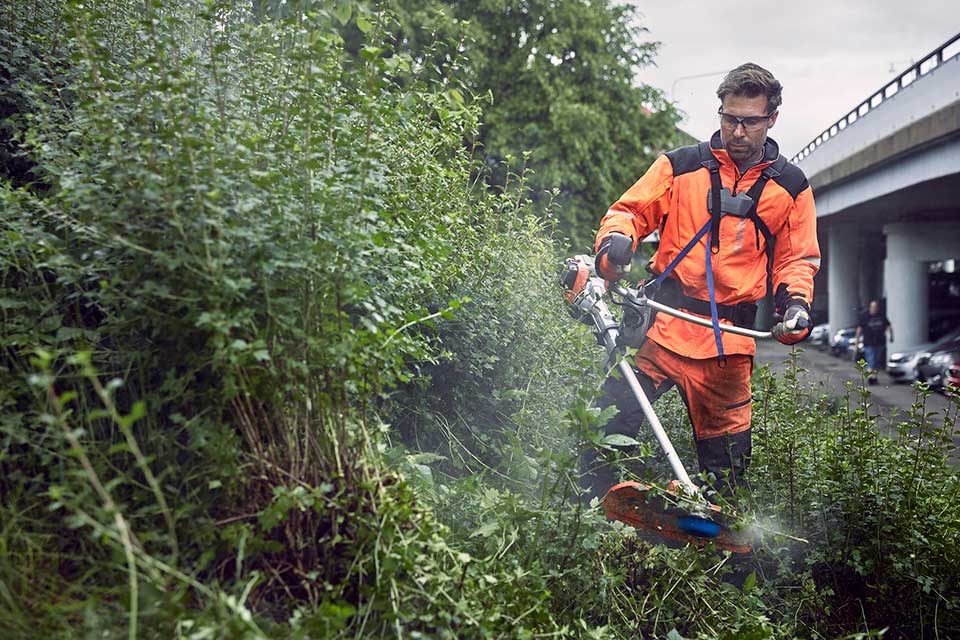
(752, 80)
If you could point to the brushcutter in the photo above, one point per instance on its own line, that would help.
(680, 511)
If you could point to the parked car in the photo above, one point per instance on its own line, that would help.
(840, 340)
(951, 381)
(950, 376)
(820, 335)
(933, 363)
(902, 365)
(932, 370)
(841, 343)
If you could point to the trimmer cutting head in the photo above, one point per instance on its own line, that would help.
(662, 514)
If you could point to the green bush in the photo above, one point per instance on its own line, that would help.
(240, 241)
(237, 234)
(880, 512)
(275, 362)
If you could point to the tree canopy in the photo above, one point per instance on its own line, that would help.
(557, 81)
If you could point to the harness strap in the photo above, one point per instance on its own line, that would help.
(680, 256)
(760, 227)
(711, 164)
(721, 357)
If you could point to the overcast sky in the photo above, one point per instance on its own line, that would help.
(828, 55)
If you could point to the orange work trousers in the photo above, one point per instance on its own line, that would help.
(718, 400)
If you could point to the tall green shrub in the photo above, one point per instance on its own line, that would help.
(237, 237)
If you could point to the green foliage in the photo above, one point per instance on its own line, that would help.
(880, 511)
(241, 242)
(241, 231)
(274, 362)
(561, 80)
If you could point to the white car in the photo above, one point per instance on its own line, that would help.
(902, 365)
(820, 335)
(841, 343)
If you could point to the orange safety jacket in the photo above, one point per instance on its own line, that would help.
(672, 197)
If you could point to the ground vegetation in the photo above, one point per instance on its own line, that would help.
(277, 361)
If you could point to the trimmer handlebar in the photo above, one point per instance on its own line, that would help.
(636, 299)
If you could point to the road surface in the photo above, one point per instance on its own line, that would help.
(892, 401)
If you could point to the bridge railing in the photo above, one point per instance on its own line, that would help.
(926, 64)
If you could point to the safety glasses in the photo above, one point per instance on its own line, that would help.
(750, 123)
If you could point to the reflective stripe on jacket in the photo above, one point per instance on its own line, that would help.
(672, 197)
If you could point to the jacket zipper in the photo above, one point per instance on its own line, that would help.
(733, 191)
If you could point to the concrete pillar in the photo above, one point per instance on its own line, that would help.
(871, 266)
(843, 275)
(906, 281)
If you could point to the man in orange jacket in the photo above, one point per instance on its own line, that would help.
(734, 218)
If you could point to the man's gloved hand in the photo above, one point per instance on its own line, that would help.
(614, 256)
(795, 325)
(794, 312)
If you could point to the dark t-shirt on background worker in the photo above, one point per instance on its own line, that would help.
(874, 327)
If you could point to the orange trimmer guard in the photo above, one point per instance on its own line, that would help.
(660, 513)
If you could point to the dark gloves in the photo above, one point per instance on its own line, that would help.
(614, 256)
(795, 324)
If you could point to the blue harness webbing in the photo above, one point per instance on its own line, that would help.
(714, 317)
(709, 162)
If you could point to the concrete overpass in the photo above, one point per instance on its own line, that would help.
(886, 178)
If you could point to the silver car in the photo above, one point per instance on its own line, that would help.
(902, 366)
(820, 335)
(842, 343)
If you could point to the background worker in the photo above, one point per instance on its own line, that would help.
(874, 327)
(762, 230)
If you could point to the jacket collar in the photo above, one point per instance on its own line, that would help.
(771, 151)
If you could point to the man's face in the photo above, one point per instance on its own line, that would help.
(874, 308)
(744, 141)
